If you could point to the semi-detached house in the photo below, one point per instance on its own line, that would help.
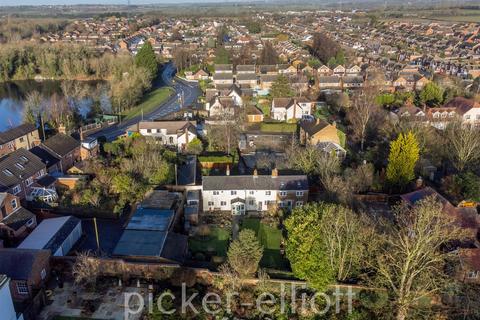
(253, 193)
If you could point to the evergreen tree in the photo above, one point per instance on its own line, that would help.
(245, 253)
(431, 95)
(281, 88)
(306, 249)
(404, 154)
(147, 59)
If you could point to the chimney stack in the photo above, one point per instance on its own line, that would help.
(274, 172)
(228, 170)
(255, 172)
(81, 134)
(62, 129)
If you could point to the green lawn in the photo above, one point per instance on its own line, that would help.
(216, 243)
(270, 238)
(149, 102)
(280, 127)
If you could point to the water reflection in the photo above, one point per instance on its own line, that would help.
(78, 95)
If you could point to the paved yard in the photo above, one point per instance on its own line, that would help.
(109, 305)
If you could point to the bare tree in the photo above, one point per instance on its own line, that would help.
(347, 236)
(463, 143)
(410, 263)
(86, 269)
(361, 112)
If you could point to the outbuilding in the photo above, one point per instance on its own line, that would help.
(58, 235)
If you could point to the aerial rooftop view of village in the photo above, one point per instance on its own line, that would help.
(239, 160)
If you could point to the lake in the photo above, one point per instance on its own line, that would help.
(80, 95)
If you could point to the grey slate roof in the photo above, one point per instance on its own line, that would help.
(250, 182)
(223, 76)
(17, 264)
(22, 164)
(46, 156)
(18, 218)
(16, 132)
(61, 144)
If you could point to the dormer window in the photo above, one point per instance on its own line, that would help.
(8, 172)
(19, 166)
(24, 159)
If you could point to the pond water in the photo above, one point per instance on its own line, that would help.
(78, 95)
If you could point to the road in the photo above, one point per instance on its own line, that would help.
(189, 92)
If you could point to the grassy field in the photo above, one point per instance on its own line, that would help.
(149, 102)
(270, 238)
(215, 243)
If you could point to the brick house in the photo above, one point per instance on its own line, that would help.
(24, 136)
(15, 221)
(65, 148)
(19, 171)
(28, 270)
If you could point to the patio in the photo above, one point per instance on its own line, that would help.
(70, 302)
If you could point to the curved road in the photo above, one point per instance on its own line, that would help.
(189, 92)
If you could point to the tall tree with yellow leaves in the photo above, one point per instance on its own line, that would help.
(404, 154)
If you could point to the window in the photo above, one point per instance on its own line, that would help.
(233, 193)
(267, 193)
(16, 189)
(22, 288)
(283, 193)
(14, 203)
(29, 181)
(7, 172)
(299, 193)
(210, 203)
(22, 139)
(216, 193)
(43, 274)
(472, 274)
(30, 222)
(251, 202)
(19, 166)
(478, 117)
(149, 130)
(467, 117)
(299, 203)
(223, 203)
(170, 140)
(251, 192)
(281, 204)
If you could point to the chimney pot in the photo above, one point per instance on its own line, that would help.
(255, 173)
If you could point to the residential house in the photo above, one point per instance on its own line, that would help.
(6, 301)
(467, 109)
(317, 130)
(420, 83)
(222, 78)
(221, 106)
(329, 82)
(172, 133)
(246, 69)
(465, 218)
(200, 75)
(15, 221)
(339, 71)
(267, 80)
(353, 71)
(24, 136)
(28, 270)
(223, 68)
(89, 147)
(286, 109)
(324, 71)
(352, 82)
(253, 193)
(19, 172)
(254, 114)
(268, 69)
(64, 148)
(247, 80)
(469, 266)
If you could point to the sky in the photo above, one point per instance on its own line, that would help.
(69, 2)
